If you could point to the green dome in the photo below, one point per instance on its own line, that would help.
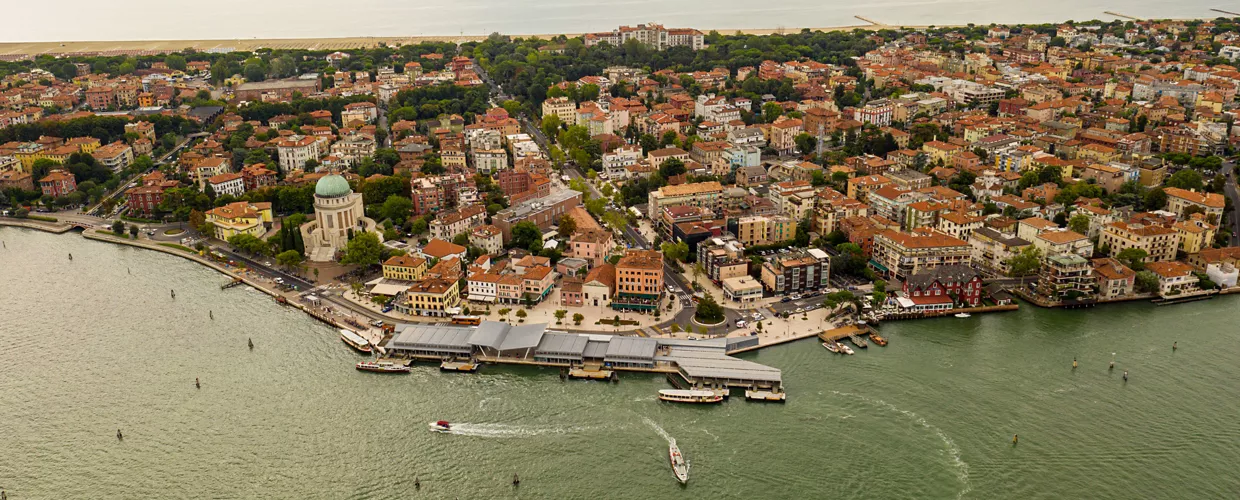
(332, 186)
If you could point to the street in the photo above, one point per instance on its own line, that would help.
(1230, 188)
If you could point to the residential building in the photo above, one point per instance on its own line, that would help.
(721, 258)
(991, 250)
(1114, 280)
(240, 218)
(436, 297)
(899, 255)
(698, 194)
(1062, 241)
(448, 224)
(1066, 277)
(227, 183)
(944, 287)
(404, 268)
(58, 183)
(1174, 278)
(797, 271)
(295, 151)
(654, 35)
(1159, 243)
(116, 156)
(639, 280)
(593, 246)
(783, 135)
(1180, 201)
(487, 237)
(144, 199)
(1195, 233)
(562, 107)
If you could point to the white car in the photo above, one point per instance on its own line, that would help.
(741, 324)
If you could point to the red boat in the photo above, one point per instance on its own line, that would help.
(441, 426)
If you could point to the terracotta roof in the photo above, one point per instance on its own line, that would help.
(439, 248)
(404, 261)
(642, 259)
(1212, 200)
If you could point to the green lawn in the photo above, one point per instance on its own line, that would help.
(42, 218)
(178, 247)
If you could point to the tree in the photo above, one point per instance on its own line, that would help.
(118, 227)
(805, 142)
(504, 312)
(1146, 281)
(397, 208)
(289, 259)
(133, 231)
(550, 125)
(364, 249)
(1079, 223)
(419, 226)
(708, 311)
(578, 318)
(671, 167)
(1186, 179)
(559, 316)
(521, 314)
(567, 225)
(1134, 258)
(526, 234)
(678, 251)
(1155, 199)
(1026, 263)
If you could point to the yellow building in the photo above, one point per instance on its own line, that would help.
(29, 153)
(1195, 234)
(240, 218)
(404, 267)
(1159, 243)
(86, 145)
(434, 297)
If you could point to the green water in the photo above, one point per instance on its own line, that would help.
(86, 348)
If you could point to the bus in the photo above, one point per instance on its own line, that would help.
(636, 213)
(467, 320)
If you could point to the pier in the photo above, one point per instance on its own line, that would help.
(871, 21)
(1122, 16)
(695, 364)
(233, 283)
(1230, 13)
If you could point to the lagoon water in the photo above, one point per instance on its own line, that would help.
(232, 19)
(86, 348)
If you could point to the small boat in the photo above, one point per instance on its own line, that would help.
(441, 426)
(844, 349)
(963, 315)
(355, 341)
(877, 339)
(831, 347)
(679, 466)
(382, 367)
(690, 396)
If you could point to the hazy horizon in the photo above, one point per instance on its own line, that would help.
(237, 19)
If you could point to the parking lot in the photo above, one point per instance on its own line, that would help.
(804, 303)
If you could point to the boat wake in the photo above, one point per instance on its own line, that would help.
(962, 467)
(659, 430)
(502, 431)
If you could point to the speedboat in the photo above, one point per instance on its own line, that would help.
(441, 426)
(963, 315)
(843, 348)
(680, 467)
(831, 347)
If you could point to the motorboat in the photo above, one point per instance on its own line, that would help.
(441, 426)
(355, 341)
(831, 347)
(963, 315)
(690, 396)
(382, 367)
(844, 349)
(680, 467)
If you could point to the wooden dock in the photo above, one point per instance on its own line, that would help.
(233, 283)
(591, 373)
(1226, 12)
(844, 332)
(868, 20)
(766, 396)
(458, 366)
(1123, 16)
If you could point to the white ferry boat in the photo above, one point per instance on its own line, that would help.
(382, 367)
(690, 396)
(355, 341)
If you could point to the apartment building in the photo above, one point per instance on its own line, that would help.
(698, 194)
(450, 223)
(639, 280)
(1159, 243)
(797, 271)
(899, 255)
(295, 151)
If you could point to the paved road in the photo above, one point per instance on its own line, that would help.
(1229, 187)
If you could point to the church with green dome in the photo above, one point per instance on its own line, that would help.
(337, 212)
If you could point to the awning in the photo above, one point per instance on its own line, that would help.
(388, 289)
(481, 298)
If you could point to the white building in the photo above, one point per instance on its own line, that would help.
(295, 151)
(615, 162)
(227, 183)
